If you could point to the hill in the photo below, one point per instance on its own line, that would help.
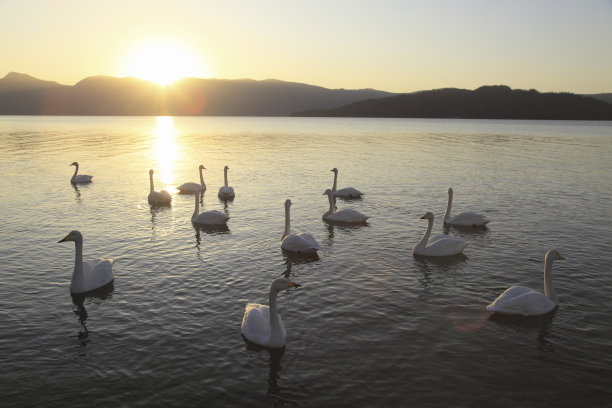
(487, 102)
(21, 94)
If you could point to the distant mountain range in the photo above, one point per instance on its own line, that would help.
(21, 94)
(487, 102)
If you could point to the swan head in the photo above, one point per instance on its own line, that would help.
(226, 168)
(428, 216)
(281, 284)
(328, 192)
(553, 255)
(151, 172)
(72, 236)
(74, 164)
(202, 167)
(335, 170)
(450, 191)
(287, 203)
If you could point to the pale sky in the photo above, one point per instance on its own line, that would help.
(396, 46)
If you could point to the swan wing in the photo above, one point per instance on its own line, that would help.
(348, 192)
(444, 245)
(212, 217)
(468, 218)
(301, 242)
(81, 178)
(190, 187)
(347, 215)
(519, 300)
(97, 273)
(159, 198)
(226, 191)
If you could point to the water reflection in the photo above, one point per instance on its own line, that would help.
(540, 325)
(165, 147)
(77, 193)
(78, 301)
(275, 356)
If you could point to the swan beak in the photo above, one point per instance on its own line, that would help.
(424, 217)
(293, 285)
(561, 256)
(66, 238)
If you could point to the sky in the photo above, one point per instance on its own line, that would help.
(395, 46)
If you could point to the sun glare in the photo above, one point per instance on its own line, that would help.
(165, 148)
(163, 61)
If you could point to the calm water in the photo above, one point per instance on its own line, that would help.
(371, 325)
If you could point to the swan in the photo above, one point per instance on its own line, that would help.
(438, 245)
(213, 217)
(262, 324)
(464, 219)
(191, 187)
(91, 274)
(345, 215)
(79, 178)
(304, 243)
(225, 192)
(347, 192)
(519, 300)
(158, 197)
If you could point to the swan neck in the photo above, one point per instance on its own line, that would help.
(196, 211)
(202, 179)
(225, 177)
(449, 204)
(274, 323)
(332, 205)
(549, 290)
(151, 182)
(335, 181)
(77, 275)
(425, 238)
(76, 170)
(287, 223)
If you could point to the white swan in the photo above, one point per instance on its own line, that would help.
(303, 243)
(346, 216)
(519, 300)
(347, 192)
(262, 324)
(192, 187)
(464, 219)
(158, 197)
(79, 178)
(91, 274)
(438, 245)
(226, 192)
(212, 217)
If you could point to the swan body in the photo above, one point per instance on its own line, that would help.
(79, 178)
(345, 216)
(213, 217)
(90, 274)
(464, 219)
(302, 242)
(438, 245)
(226, 192)
(519, 300)
(160, 198)
(192, 187)
(347, 192)
(261, 324)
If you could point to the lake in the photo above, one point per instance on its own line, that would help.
(371, 325)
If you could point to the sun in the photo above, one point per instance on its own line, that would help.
(163, 61)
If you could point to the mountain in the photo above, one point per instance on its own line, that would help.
(606, 97)
(487, 102)
(21, 94)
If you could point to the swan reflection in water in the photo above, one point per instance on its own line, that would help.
(540, 325)
(78, 301)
